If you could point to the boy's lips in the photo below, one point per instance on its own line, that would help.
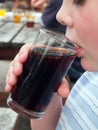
(78, 49)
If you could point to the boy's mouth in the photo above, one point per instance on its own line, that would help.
(78, 49)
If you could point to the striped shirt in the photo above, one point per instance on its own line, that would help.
(81, 108)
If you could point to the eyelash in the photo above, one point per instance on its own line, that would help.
(79, 2)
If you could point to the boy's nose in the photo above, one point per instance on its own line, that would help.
(64, 18)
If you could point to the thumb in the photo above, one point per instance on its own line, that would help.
(64, 88)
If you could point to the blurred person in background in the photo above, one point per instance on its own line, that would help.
(14, 4)
(49, 14)
(23, 4)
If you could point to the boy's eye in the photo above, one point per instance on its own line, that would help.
(79, 2)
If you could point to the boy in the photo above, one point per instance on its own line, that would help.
(80, 111)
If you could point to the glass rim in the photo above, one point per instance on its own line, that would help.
(54, 35)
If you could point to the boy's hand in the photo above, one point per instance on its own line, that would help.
(16, 68)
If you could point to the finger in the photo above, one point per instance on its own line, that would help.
(21, 58)
(10, 82)
(63, 90)
(17, 68)
(14, 70)
(8, 88)
(11, 79)
(24, 52)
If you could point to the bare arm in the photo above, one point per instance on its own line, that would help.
(16, 4)
(37, 3)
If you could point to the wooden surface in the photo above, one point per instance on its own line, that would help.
(10, 120)
(13, 36)
(26, 35)
(7, 119)
(8, 31)
(8, 53)
(4, 65)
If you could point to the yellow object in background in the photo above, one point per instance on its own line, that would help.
(17, 16)
(2, 10)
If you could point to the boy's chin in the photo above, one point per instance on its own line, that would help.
(88, 66)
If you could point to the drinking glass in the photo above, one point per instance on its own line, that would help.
(17, 15)
(30, 19)
(46, 66)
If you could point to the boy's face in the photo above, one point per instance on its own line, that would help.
(81, 19)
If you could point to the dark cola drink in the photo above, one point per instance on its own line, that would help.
(30, 24)
(42, 74)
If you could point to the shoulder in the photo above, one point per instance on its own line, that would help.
(87, 83)
(81, 107)
(88, 78)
